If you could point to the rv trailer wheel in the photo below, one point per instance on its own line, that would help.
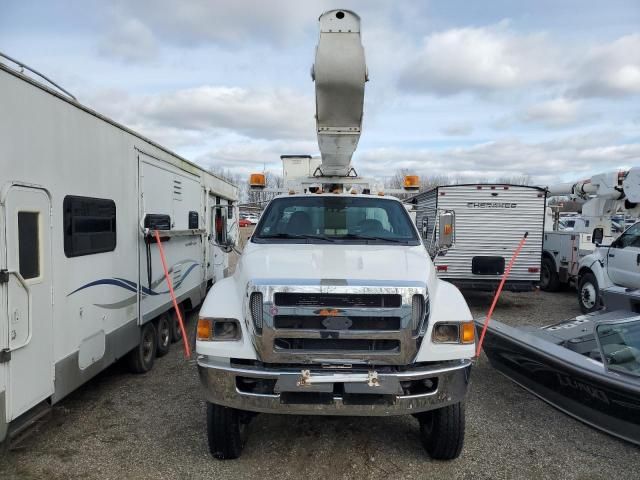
(442, 431)
(176, 333)
(226, 431)
(142, 357)
(549, 280)
(588, 293)
(163, 328)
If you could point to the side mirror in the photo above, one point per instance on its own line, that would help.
(446, 235)
(597, 236)
(425, 224)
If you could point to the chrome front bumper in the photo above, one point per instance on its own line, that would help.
(381, 396)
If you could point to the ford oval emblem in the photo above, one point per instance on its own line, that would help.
(337, 323)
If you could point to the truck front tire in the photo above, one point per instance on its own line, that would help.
(442, 431)
(226, 431)
(549, 280)
(588, 293)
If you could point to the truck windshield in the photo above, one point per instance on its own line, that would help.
(324, 219)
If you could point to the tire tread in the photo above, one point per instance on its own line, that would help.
(447, 437)
(591, 277)
(223, 432)
(134, 358)
(554, 279)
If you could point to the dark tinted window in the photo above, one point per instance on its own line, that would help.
(89, 225)
(220, 220)
(631, 237)
(193, 220)
(336, 218)
(28, 244)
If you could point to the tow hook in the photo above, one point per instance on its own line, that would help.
(370, 378)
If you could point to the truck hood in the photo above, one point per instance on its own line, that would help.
(377, 263)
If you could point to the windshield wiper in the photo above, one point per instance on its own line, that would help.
(297, 235)
(356, 236)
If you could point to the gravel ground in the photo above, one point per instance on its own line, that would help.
(121, 425)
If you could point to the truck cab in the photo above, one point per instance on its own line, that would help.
(335, 309)
(615, 267)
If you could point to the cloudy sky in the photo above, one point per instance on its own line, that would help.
(476, 89)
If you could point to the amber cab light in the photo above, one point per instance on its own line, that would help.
(257, 180)
(411, 182)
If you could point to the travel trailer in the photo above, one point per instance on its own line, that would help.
(488, 222)
(81, 282)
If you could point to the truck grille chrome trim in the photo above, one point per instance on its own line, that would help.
(256, 307)
(286, 299)
(315, 322)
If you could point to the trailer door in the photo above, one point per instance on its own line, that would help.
(27, 313)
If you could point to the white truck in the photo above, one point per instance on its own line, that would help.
(335, 307)
(613, 272)
(588, 256)
(81, 282)
(489, 221)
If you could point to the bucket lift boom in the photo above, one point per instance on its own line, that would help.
(339, 73)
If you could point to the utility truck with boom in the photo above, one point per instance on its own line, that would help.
(335, 307)
(588, 256)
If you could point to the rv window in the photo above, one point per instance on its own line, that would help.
(28, 244)
(89, 225)
(230, 211)
(193, 220)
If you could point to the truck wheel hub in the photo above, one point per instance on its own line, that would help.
(588, 295)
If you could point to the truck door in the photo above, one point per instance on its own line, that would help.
(26, 325)
(623, 259)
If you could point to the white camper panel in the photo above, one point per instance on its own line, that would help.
(74, 191)
(167, 190)
(490, 220)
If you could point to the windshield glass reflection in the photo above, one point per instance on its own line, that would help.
(620, 346)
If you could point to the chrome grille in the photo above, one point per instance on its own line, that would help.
(256, 307)
(351, 345)
(286, 299)
(317, 322)
(417, 312)
(335, 321)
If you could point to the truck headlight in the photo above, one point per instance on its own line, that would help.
(218, 329)
(444, 332)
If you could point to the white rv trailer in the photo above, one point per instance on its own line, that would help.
(489, 221)
(81, 283)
